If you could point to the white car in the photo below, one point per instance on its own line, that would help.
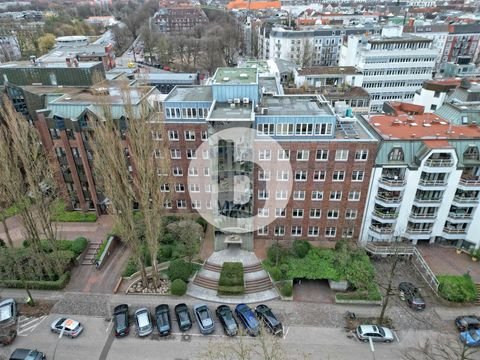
(70, 327)
(8, 312)
(374, 332)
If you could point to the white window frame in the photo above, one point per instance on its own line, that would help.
(299, 195)
(191, 153)
(281, 195)
(263, 175)
(333, 214)
(283, 155)
(354, 195)
(264, 155)
(295, 230)
(189, 135)
(177, 171)
(175, 154)
(313, 231)
(319, 175)
(336, 195)
(298, 213)
(330, 231)
(303, 155)
(192, 171)
(263, 194)
(263, 231)
(179, 187)
(263, 212)
(361, 155)
(282, 175)
(181, 204)
(351, 214)
(315, 213)
(194, 188)
(358, 175)
(341, 155)
(280, 212)
(173, 135)
(323, 155)
(301, 175)
(338, 175)
(279, 230)
(317, 195)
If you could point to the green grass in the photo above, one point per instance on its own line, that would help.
(101, 249)
(457, 288)
(59, 214)
(373, 294)
(11, 211)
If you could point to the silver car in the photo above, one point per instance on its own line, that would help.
(204, 319)
(144, 322)
(374, 332)
(70, 327)
(8, 312)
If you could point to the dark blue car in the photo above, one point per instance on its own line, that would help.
(248, 319)
(470, 337)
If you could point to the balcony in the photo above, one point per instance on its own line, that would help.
(453, 233)
(465, 199)
(469, 182)
(459, 215)
(381, 230)
(388, 200)
(439, 163)
(422, 218)
(427, 200)
(392, 182)
(384, 216)
(432, 183)
(414, 231)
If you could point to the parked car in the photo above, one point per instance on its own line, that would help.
(162, 317)
(376, 333)
(271, 322)
(8, 312)
(467, 322)
(204, 319)
(27, 354)
(470, 337)
(7, 336)
(411, 294)
(121, 320)
(248, 319)
(70, 327)
(227, 320)
(183, 317)
(144, 322)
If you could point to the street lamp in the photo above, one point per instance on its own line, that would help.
(371, 347)
(58, 340)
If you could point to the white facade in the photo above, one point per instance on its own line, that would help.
(320, 80)
(430, 99)
(422, 3)
(393, 67)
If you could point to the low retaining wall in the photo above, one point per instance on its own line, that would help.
(112, 243)
(358, 302)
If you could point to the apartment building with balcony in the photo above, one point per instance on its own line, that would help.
(426, 179)
(394, 65)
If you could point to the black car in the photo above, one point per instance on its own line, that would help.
(227, 320)
(27, 354)
(120, 317)
(412, 295)
(467, 322)
(162, 316)
(271, 322)
(183, 317)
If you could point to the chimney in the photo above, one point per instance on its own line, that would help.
(69, 63)
(75, 62)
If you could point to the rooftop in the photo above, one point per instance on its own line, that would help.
(261, 65)
(421, 126)
(235, 76)
(226, 111)
(190, 93)
(269, 85)
(329, 70)
(397, 39)
(41, 64)
(293, 105)
(331, 92)
(60, 53)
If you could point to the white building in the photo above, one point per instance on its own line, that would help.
(394, 66)
(422, 3)
(434, 93)
(320, 76)
(425, 184)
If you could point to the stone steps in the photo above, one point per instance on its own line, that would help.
(212, 267)
(477, 302)
(253, 268)
(252, 286)
(205, 282)
(91, 252)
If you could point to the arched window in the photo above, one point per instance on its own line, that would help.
(471, 153)
(396, 154)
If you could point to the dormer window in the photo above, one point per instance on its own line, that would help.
(471, 153)
(396, 154)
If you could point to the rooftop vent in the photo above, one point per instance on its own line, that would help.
(226, 79)
(396, 122)
(243, 76)
(413, 124)
(413, 136)
(427, 125)
(436, 120)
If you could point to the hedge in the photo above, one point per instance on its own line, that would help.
(38, 285)
(178, 287)
(179, 269)
(286, 288)
(231, 274)
(230, 290)
(61, 215)
(372, 294)
(457, 288)
(130, 268)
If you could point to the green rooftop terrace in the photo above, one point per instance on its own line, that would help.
(261, 65)
(235, 76)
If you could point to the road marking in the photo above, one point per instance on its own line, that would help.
(108, 327)
(286, 333)
(26, 324)
(396, 337)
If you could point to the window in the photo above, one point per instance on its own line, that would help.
(347, 232)
(165, 188)
(437, 94)
(282, 175)
(196, 204)
(433, 107)
(167, 204)
(304, 129)
(335, 195)
(322, 155)
(179, 188)
(317, 195)
(357, 175)
(208, 188)
(279, 230)
(189, 135)
(296, 230)
(361, 155)
(265, 129)
(284, 129)
(303, 155)
(192, 171)
(338, 175)
(264, 154)
(350, 214)
(315, 213)
(319, 175)
(341, 155)
(204, 135)
(206, 171)
(330, 232)
(263, 212)
(283, 154)
(354, 196)
(175, 154)
(158, 154)
(181, 204)
(323, 129)
(205, 154)
(297, 213)
(208, 204)
(191, 154)
(263, 231)
(280, 212)
(172, 135)
(281, 195)
(194, 188)
(262, 194)
(177, 171)
(332, 214)
(300, 175)
(396, 154)
(313, 231)
(299, 195)
(471, 153)
(264, 175)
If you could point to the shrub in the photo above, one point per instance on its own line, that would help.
(230, 290)
(276, 274)
(203, 223)
(79, 245)
(286, 289)
(130, 268)
(61, 215)
(276, 251)
(179, 269)
(231, 274)
(457, 288)
(2, 243)
(170, 219)
(178, 287)
(165, 253)
(38, 285)
(168, 238)
(301, 248)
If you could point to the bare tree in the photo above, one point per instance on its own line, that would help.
(307, 53)
(443, 348)
(188, 234)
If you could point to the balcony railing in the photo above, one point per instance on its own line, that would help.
(454, 231)
(459, 215)
(392, 182)
(470, 181)
(385, 215)
(426, 182)
(388, 198)
(439, 162)
(428, 200)
(381, 230)
(464, 199)
(423, 216)
(418, 231)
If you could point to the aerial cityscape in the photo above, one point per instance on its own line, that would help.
(240, 179)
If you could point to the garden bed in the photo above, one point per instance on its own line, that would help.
(231, 279)
(60, 214)
(457, 288)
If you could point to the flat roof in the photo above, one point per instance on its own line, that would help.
(329, 70)
(261, 65)
(420, 127)
(292, 105)
(269, 84)
(396, 39)
(190, 93)
(226, 111)
(235, 76)
(40, 64)
(46, 89)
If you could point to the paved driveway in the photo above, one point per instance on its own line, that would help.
(315, 291)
